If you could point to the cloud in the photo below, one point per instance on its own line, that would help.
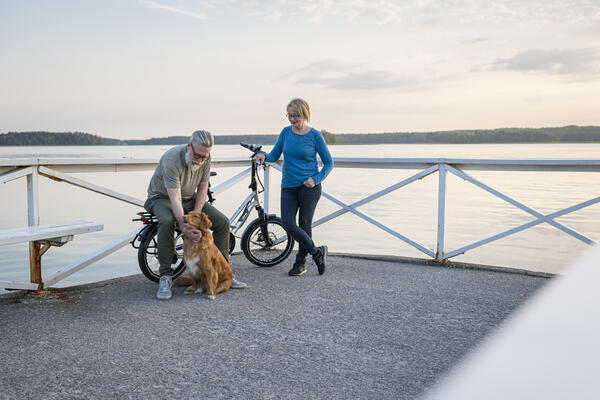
(365, 80)
(407, 12)
(424, 12)
(478, 39)
(173, 9)
(334, 75)
(578, 61)
(315, 11)
(317, 68)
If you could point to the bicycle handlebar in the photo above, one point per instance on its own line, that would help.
(252, 147)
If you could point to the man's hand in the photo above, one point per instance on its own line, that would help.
(309, 183)
(195, 235)
(182, 224)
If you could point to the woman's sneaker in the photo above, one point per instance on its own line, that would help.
(320, 258)
(297, 270)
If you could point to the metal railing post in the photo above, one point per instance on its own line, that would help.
(441, 226)
(33, 210)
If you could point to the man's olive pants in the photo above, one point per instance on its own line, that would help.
(166, 229)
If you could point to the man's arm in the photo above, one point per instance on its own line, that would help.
(194, 235)
(201, 194)
(176, 206)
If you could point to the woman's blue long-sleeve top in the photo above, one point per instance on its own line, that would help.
(300, 157)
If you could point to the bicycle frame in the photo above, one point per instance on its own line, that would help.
(250, 202)
(243, 212)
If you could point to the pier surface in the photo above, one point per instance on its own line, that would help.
(367, 329)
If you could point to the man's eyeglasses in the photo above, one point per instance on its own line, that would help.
(292, 116)
(198, 156)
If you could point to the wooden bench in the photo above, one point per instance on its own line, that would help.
(41, 238)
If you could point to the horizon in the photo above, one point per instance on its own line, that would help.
(334, 133)
(139, 69)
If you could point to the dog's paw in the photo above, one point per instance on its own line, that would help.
(211, 297)
(189, 290)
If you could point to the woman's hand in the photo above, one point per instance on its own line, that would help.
(260, 157)
(309, 183)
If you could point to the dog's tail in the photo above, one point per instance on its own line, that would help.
(182, 281)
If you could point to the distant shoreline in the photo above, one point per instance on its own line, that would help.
(566, 134)
(269, 144)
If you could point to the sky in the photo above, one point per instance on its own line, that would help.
(136, 69)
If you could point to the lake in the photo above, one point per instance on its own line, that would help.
(472, 214)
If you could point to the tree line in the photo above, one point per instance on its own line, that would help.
(566, 134)
(50, 139)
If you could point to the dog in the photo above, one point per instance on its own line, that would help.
(206, 268)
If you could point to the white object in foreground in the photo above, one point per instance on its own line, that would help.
(549, 349)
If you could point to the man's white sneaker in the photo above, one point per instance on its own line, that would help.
(238, 285)
(164, 288)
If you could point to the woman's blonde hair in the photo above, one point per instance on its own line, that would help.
(301, 107)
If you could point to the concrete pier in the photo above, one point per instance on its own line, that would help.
(368, 329)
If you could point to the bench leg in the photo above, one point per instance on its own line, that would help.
(35, 264)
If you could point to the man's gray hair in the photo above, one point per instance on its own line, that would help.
(204, 138)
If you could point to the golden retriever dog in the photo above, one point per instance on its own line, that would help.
(206, 268)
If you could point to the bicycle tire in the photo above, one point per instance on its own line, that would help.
(262, 252)
(148, 255)
(231, 242)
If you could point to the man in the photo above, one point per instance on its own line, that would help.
(178, 186)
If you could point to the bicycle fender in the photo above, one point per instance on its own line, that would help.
(142, 234)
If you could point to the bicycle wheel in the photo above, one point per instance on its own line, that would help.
(148, 255)
(266, 243)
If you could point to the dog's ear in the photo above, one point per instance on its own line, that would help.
(205, 222)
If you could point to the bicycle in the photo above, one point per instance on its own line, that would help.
(265, 242)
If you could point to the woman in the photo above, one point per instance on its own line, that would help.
(301, 181)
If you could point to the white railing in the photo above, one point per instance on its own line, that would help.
(59, 169)
(457, 167)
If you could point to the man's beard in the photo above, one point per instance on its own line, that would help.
(188, 161)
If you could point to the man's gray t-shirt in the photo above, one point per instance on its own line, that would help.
(172, 172)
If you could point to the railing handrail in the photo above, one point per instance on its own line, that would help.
(541, 164)
(343, 162)
(422, 160)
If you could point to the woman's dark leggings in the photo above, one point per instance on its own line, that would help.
(303, 201)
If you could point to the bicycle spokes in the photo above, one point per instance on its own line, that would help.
(266, 243)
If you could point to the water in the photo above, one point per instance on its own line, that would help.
(471, 213)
